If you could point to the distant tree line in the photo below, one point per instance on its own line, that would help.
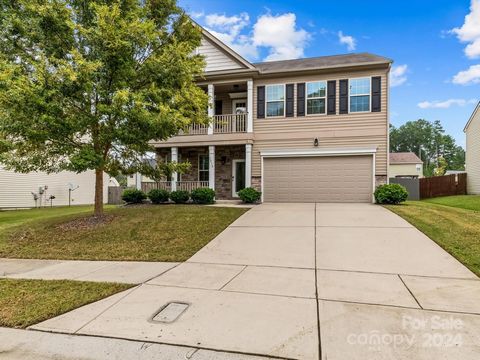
(429, 141)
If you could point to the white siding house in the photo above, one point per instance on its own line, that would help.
(16, 189)
(472, 156)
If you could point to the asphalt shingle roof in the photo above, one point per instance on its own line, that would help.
(321, 62)
(404, 158)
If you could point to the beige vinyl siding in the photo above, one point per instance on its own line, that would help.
(16, 189)
(216, 59)
(333, 131)
(472, 159)
(405, 170)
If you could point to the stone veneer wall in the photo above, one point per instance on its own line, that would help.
(223, 172)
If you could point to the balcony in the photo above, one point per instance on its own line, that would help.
(221, 124)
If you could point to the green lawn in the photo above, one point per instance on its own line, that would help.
(455, 229)
(9, 218)
(147, 233)
(27, 302)
(468, 202)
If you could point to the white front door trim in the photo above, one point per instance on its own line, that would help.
(234, 176)
(318, 152)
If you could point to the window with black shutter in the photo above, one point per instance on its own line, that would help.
(260, 102)
(343, 96)
(331, 97)
(376, 94)
(289, 89)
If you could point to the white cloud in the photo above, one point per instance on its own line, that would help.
(197, 14)
(279, 33)
(228, 29)
(445, 104)
(469, 32)
(347, 40)
(469, 76)
(398, 75)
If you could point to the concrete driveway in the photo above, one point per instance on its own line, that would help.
(303, 281)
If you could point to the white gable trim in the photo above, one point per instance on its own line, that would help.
(477, 109)
(227, 50)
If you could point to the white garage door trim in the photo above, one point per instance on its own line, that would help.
(317, 153)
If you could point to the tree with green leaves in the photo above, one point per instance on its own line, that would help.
(429, 141)
(89, 84)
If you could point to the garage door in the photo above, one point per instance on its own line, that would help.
(318, 179)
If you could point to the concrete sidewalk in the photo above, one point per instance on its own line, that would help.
(303, 281)
(129, 272)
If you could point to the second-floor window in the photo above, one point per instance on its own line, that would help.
(359, 95)
(275, 100)
(203, 168)
(316, 97)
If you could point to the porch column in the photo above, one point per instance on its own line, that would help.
(249, 106)
(211, 167)
(138, 181)
(248, 165)
(173, 185)
(211, 107)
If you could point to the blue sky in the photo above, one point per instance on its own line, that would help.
(436, 69)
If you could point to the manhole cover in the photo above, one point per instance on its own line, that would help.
(170, 312)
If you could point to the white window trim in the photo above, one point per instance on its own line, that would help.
(369, 94)
(284, 101)
(199, 170)
(324, 97)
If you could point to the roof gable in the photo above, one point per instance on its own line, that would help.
(474, 114)
(219, 56)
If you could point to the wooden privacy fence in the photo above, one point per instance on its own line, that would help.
(115, 195)
(443, 186)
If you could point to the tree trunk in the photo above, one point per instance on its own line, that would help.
(98, 192)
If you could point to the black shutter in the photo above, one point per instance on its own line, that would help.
(301, 99)
(260, 102)
(344, 96)
(218, 107)
(331, 97)
(376, 93)
(289, 89)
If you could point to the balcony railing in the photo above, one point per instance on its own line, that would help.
(167, 185)
(222, 124)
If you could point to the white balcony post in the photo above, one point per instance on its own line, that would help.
(250, 106)
(174, 156)
(211, 167)
(248, 165)
(211, 105)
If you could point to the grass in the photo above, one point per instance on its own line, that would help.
(455, 229)
(27, 302)
(10, 218)
(468, 202)
(143, 233)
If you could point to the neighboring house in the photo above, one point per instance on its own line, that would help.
(472, 155)
(307, 130)
(405, 165)
(17, 190)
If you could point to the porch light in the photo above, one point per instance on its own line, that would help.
(315, 142)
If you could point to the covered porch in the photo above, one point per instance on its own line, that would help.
(223, 168)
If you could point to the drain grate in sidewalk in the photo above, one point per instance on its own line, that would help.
(170, 312)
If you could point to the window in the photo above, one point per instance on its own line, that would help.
(203, 166)
(360, 95)
(275, 100)
(316, 97)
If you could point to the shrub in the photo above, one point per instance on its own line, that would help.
(203, 196)
(133, 196)
(179, 196)
(158, 196)
(390, 194)
(249, 195)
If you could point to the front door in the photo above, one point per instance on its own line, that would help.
(238, 176)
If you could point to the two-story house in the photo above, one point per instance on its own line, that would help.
(306, 130)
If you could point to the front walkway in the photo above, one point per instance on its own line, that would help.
(285, 276)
